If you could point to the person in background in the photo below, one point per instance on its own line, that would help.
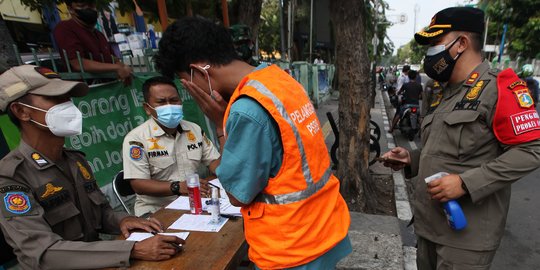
(160, 153)
(412, 93)
(78, 34)
(403, 77)
(483, 131)
(274, 162)
(51, 208)
(527, 76)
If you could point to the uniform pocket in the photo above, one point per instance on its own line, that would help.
(194, 155)
(426, 123)
(64, 221)
(97, 199)
(159, 164)
(255, 211)
(461, 132)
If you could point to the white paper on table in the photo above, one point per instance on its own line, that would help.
(182, 203)
(139, 236)
(225, 204)
(201, 223)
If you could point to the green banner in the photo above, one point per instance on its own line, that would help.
(109, 112)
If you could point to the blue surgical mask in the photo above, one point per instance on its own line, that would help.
(169, 115)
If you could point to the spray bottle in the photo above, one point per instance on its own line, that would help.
(452, 209)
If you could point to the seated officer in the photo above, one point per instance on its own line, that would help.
(160, 153)
(51, 209)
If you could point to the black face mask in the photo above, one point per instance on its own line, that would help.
(439, 66)
(87, 15)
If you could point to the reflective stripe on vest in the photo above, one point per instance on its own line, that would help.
(312, 188)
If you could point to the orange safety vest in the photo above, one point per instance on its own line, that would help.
(300, 215)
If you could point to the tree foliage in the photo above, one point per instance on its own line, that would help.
(411, 53)
(269, 37)
(523, 18)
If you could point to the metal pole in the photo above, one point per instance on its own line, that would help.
(282, 30)
(225, 12)
(311, 33)
(501, 50)
(416, 10)
(486, 32)
(163, 17)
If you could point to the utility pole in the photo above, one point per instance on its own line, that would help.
(416, 10)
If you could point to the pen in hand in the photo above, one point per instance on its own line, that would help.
(176, 246)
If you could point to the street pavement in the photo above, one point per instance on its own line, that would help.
(520, 246)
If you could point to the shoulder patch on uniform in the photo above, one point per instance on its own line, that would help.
(17, 203)
(517, 83)
(514, 122)
(38, 159)
(524, 98)
(9, 188)
(135, 152)
(136, 143)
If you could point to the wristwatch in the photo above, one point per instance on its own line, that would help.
(175, 188)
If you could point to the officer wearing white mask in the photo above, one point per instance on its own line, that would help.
(160, 153)
(51, 209)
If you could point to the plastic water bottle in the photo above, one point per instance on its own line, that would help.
(454, 214)
(152, 37)
(194, 191)
(213, 208)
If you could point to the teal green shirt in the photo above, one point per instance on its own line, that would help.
(252, 154)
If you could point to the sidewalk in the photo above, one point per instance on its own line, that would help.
(378, 240)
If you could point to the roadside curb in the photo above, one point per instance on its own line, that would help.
(403, 207)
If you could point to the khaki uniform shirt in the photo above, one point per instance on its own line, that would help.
(458, 138)
(150, 153)
(51, 214)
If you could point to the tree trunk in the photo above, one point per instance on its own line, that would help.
(247, 12)
(352, 64)
(7, 54)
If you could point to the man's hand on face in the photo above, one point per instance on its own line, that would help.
(213, 106)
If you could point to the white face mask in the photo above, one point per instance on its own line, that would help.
(62, 120)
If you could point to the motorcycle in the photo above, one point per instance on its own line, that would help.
(408, 123)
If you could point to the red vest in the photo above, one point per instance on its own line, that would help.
(516, 120)
(300, 215)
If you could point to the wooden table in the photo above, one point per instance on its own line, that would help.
(202, 250)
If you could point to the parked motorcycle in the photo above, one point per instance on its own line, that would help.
(408, 123)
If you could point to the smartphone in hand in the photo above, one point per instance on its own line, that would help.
(390, 161)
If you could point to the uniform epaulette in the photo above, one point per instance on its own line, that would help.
(9, 165)
(75, 151)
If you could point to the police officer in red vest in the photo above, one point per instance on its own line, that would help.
(483, 131)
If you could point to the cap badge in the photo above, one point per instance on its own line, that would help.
(47, 73)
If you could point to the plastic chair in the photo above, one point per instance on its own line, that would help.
(122, 188)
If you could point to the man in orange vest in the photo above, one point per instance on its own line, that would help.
(274, 164)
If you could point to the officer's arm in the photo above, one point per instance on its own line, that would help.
(516, 162)
(27, 230)
(155, 188)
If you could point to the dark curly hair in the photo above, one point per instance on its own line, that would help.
(190, 40)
